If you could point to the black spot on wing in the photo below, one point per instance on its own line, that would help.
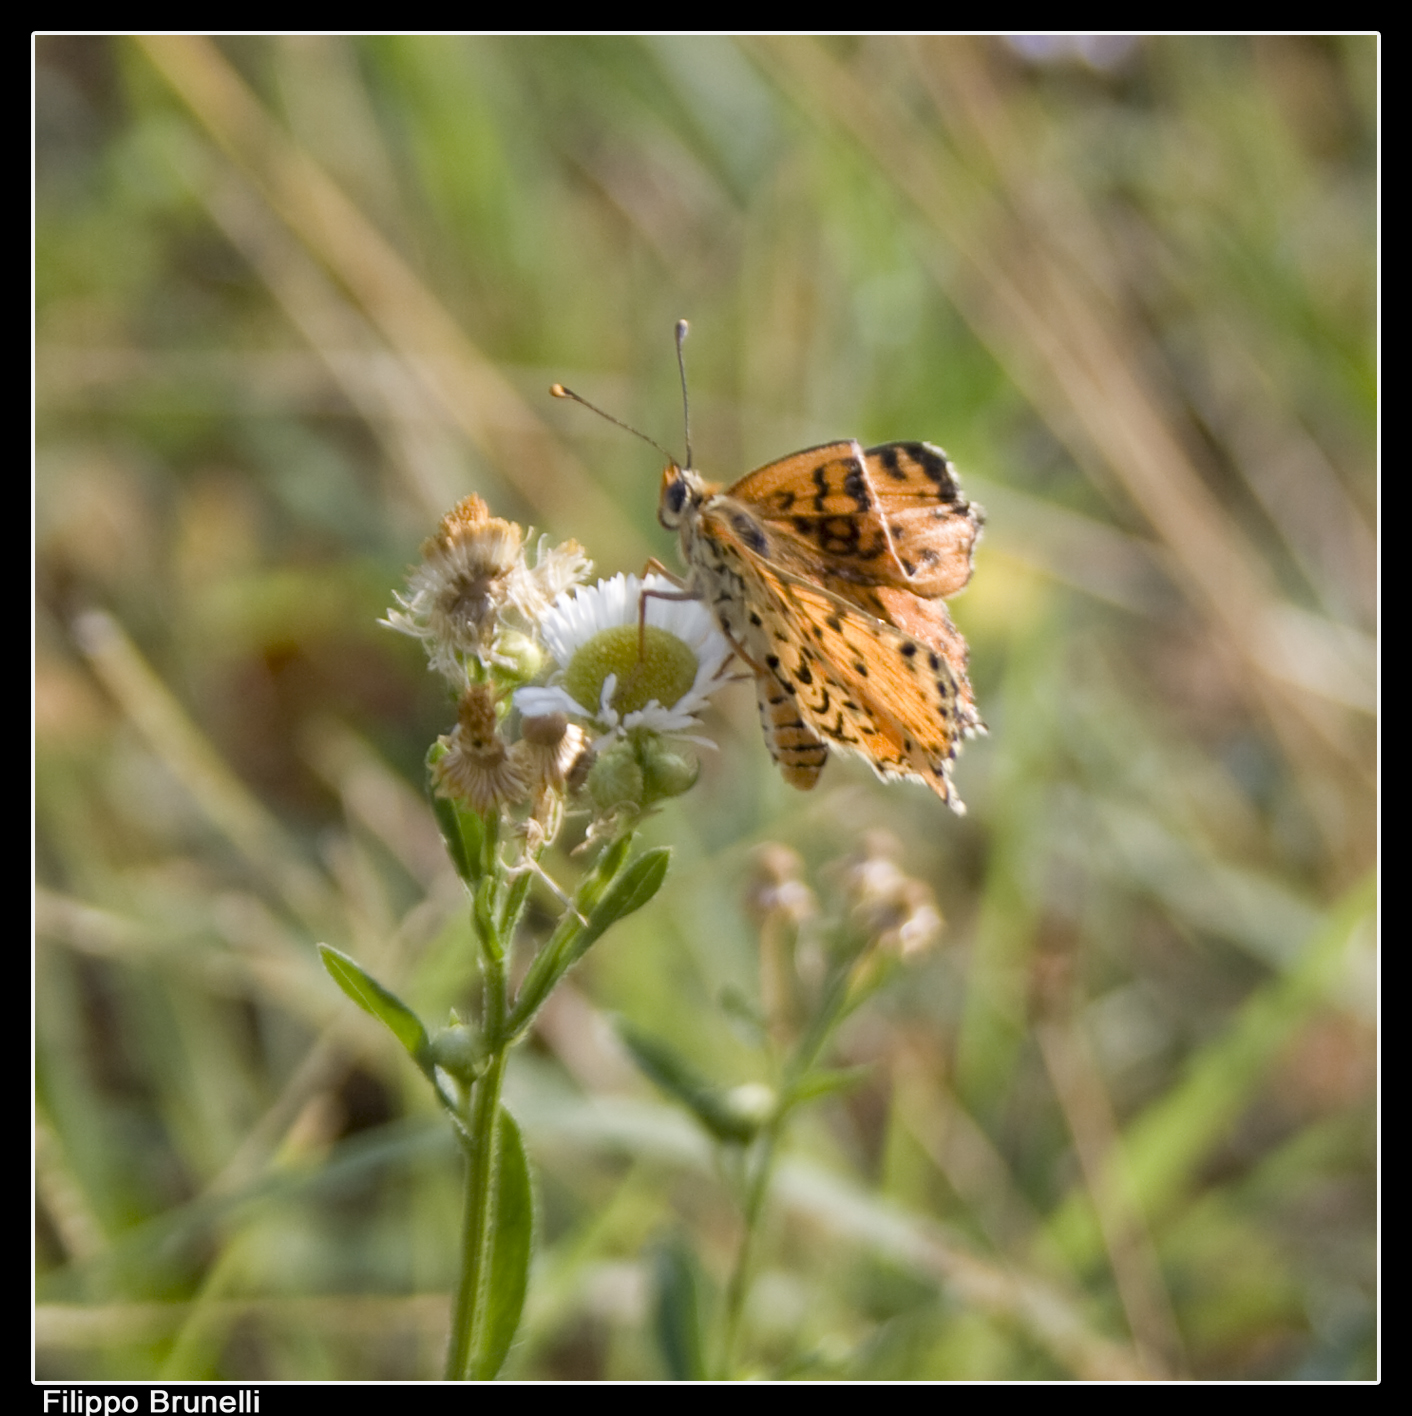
(931, 461)
(838, 732)
(891, 464)
(821, 485)
(855, 485)
(839, 535)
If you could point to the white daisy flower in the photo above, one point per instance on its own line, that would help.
(609, 675)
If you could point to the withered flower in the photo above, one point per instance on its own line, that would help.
(478, 767)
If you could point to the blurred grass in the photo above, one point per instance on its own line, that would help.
(293, 297)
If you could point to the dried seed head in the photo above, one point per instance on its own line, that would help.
(478, 767)
(473, 570)
(777, 886)
(896, 912)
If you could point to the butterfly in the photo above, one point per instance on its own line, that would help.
(828, 571)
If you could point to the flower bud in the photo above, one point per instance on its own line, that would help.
(459, 1050)
(616, 778)
(666, 772)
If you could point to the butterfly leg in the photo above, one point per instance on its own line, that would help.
(759, 670)
(655, 567)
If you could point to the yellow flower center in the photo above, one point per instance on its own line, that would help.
(664, 669)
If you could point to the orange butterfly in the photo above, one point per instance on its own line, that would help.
(827, 571)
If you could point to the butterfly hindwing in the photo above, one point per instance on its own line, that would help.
(830, 675)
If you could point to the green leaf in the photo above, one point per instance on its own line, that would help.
(712, 1106)
(603, 874)
(678, 1283)
(513, 1221)
(373, 998)
(630, 891)
(616, 895)
(825, 1081)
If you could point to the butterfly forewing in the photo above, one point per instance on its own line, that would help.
(931, 525)
(893, 515)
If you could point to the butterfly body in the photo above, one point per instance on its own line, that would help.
(827, 571)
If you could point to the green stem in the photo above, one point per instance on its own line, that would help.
(739, 1286)
(468, 1327)
(478, 1226)
(834, 1007)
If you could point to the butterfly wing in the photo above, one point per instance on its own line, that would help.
(932, 527)
(828, 674)
(893, 515)
(866, 686)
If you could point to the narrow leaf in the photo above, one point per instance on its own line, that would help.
(665, 1066)
(603, 874)
(677, 1280)
(483, 917)
(513, 1221)
(629, 892)
(373, 998)
(616, 897)
(825, 1081)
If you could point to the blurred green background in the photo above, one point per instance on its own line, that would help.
(294, 297)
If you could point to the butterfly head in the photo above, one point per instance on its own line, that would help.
(683, 491)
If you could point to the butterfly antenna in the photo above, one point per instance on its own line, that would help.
(682, 329)
(559, 391)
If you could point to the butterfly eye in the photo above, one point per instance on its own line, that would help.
(673, 498)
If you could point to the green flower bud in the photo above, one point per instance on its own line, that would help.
(460, 1050)
(752, 1104)
(617, 778)
(526, 658)
(666, 772)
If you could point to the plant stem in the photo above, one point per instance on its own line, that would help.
(739, 1286)
(478, 1226)
(482, 1162)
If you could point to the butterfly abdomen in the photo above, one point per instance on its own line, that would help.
(798, 751)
